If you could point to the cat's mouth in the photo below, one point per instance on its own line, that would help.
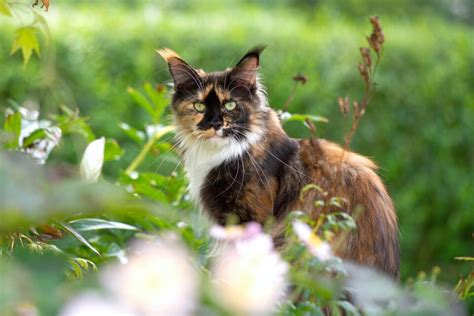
(213, 134)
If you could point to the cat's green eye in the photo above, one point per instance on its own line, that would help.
(199, 106)
(230, 105)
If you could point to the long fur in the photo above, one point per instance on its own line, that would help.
(241, 164)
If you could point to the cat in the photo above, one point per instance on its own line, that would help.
(240, 162)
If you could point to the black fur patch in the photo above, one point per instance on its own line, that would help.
(224, 187)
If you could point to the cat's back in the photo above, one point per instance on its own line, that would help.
(353, 177)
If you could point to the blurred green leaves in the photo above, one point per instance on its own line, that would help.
(5, 9)
(153, 101)
(29, 24)
(12, 127)
(112, 150)
(70, 122)
(110, 52)
(136, 135)
(294, 117)
(29, 195)
(88, 224)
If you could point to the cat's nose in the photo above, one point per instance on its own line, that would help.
(216, 124)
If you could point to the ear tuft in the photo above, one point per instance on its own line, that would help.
(247, 68)
(168, 54)
(184, 75)
(253, 53)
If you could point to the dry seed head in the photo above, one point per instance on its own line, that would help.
(343, 105)
(374, 43)
(380, 36)
(377, 32)
(365, 52)
(160, 87)
(375, 21)
(363, 72)
(300, 78)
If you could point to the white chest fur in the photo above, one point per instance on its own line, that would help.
(201, 158)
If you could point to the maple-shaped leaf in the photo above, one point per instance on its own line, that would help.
(27, 41)
(5, 9)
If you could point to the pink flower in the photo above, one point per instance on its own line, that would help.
(249, 275)
(159, 279)
(235, 232)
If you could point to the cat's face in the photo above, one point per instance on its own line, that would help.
(222, 108)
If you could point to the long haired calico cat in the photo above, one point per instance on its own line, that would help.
(240, 162)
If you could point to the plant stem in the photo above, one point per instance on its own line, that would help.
(149, 144)
(290, 97)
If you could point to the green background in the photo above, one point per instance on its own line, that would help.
(419, 127)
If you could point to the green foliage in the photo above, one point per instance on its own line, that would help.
(5, 9)
(418, 128)
(26, 38)
(27, 41)
(12, 126)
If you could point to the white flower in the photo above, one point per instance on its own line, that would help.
(158, 279)
(249, 276)
(318, 248)
(91, 164)
(40, 148)
(92, 304)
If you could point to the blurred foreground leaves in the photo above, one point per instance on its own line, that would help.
(32, 194)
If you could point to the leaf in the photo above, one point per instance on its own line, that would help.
(348, 308)
(133, 133)
(5, 9)
(150, 192)
(112, 150)
(141, 100)
(71, 122)
(464, 258)
(27, 41)
(34, 136)
(12, 125)
(115, 251)
(303, 117)
(88, 224)
(309, 187)
(159, 99)
(77, 266)
(78, 236)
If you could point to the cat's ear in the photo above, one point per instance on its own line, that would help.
(183, 74)
(247, 68)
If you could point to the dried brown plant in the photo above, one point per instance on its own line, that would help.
(367, 69)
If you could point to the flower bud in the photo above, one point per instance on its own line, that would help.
(93, 159)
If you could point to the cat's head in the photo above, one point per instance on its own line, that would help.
(220, 108)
